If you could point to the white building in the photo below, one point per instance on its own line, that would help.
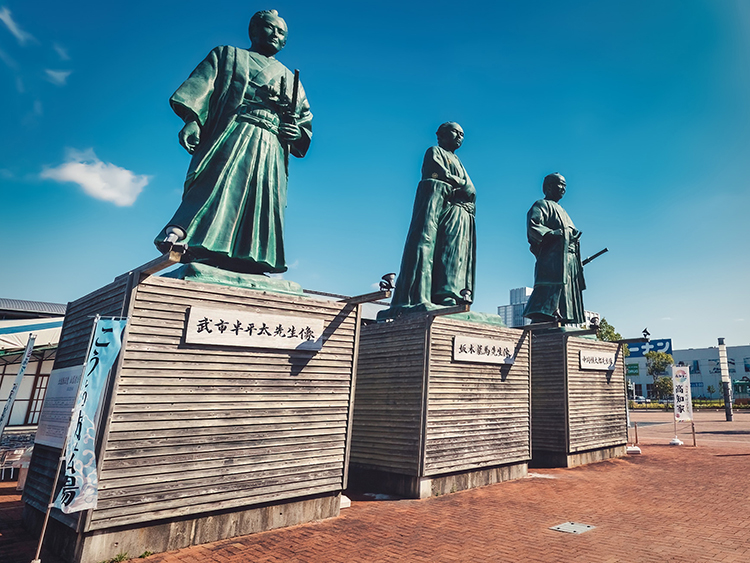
(19, 319)
(704, 370)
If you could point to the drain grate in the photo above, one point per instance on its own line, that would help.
(572, 528)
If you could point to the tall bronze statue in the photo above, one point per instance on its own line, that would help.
(558, 275)
(438, 264)
(244, 113)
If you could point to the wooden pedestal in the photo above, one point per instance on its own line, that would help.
(425, 424)
(577, 415)
(201, 442)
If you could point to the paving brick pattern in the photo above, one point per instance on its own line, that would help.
(679, 504)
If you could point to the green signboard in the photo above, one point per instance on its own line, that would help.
(632, 369)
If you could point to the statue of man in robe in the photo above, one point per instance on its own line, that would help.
(244, 113)
(438, 264)
(558, 275)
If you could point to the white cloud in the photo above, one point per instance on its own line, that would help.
(6, 174)
(38, 108)
(8, 60)
(62, 52)
(57, 76)
(101, 180)
(22, 36)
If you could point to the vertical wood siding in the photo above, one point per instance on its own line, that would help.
(477, 414)
(197, 428)
(548, 393)
(596, 399)
(388, 399)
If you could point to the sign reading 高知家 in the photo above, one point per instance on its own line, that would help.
(596, 359)
(482, 350)
(683, 402)
(219, 327)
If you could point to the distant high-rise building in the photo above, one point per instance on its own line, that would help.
(512, 314)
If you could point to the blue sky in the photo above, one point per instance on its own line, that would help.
(643, 106)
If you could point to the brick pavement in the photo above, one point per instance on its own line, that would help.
(669, 504)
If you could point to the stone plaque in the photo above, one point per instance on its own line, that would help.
(482, 350)
(219, 327)
(595, 359)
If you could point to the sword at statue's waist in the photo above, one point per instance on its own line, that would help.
(594, 256)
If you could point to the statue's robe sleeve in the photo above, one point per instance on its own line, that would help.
(542, 219)
(204, 97)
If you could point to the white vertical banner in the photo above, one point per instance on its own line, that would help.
(81, 487)
(683, 401)
(17, 383)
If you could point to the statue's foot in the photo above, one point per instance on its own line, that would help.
(174, 235)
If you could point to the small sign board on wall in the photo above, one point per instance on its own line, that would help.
(219, 327)
(58, 406)
(596, 359)
(482, 350)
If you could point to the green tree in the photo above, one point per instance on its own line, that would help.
(711, 390)
(607, 333)
(663, 387)
(657, 364)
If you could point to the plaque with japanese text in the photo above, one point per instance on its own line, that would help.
(217, 327)
(595, 359)
(482, 350)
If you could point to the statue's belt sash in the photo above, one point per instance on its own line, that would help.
(258, 115)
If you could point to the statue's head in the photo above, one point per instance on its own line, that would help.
(267, 32)
(554, 186)
(450, 136)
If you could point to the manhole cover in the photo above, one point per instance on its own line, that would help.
(572, 528)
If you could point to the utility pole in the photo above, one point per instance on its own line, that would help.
(726, 384)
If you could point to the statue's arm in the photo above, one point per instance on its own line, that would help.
(192, 100)
(538, 224)
(434, 167)
(298, 147)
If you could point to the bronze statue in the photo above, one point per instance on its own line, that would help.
(438, 264)
(558, 275)
(244, 113)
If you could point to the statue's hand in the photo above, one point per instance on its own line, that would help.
(557, 233)
(289, 132)
(456, 181)
(190, 136)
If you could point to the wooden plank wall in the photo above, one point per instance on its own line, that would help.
(74, 340)
(198, 428)
(548, 393)
(388, 398)
(477, 414)
(596, 399)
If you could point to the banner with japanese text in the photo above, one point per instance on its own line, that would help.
(5, 416)
(683, 401)
(80, 485)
